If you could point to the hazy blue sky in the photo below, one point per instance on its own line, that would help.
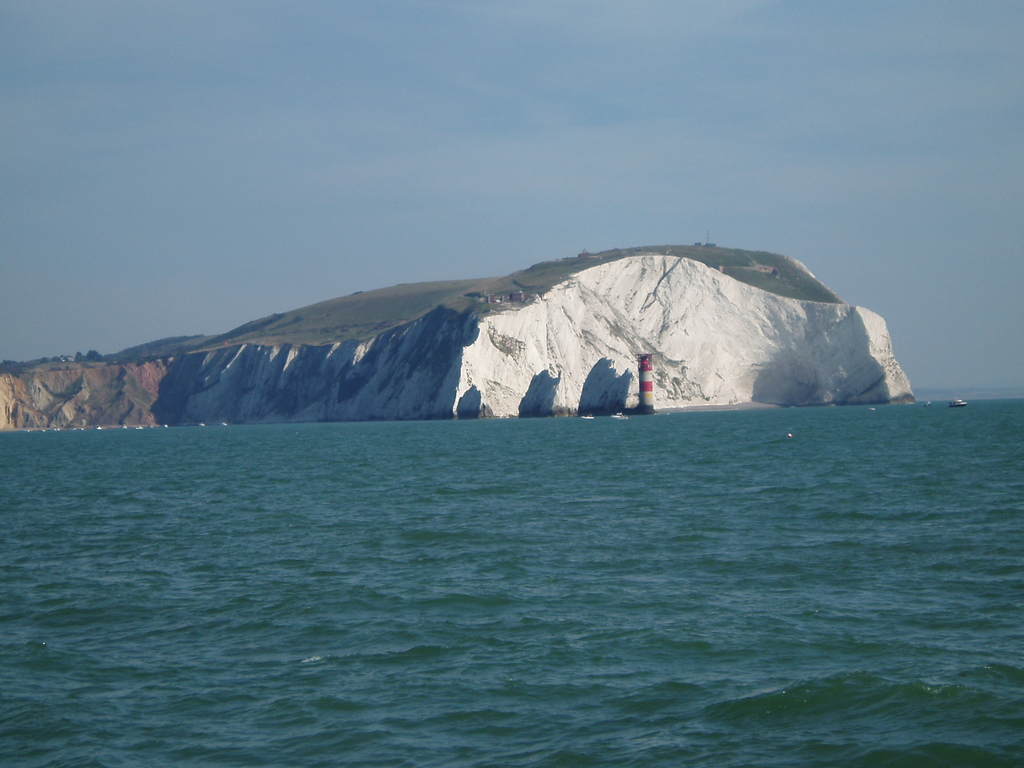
(182, 167)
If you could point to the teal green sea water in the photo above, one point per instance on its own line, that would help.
(693, 589)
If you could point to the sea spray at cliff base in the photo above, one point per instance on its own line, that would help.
(687, 589)
(573, 349)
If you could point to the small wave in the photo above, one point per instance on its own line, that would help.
(336, 704)
(462, 600)
(661, 697)
(996, 673)
(856, 695)
(934, 754)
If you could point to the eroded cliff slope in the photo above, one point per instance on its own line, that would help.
(81, 396)
(573, 349)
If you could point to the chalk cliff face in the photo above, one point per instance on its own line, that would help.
(407, 373)
(573, 350)
(716, 341)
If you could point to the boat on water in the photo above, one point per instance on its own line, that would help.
(957, 403)
(619, 416)
(588, 416)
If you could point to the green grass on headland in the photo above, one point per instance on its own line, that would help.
(768, 271)
(358, 316)
(364, 315)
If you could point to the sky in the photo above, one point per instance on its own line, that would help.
(179, 168)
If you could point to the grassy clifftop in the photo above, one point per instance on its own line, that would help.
(365, 314)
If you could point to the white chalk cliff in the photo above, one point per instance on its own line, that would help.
(716, 340)
(571, 350)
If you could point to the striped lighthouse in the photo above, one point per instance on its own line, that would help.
(646, 384)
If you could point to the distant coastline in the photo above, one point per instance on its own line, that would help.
(969, 393)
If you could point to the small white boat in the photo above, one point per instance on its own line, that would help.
(586, 417)
(619, 416)
(957, 403)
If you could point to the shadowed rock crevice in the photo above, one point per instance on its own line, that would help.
(788, 380)
(540, 397)
(605, 390)
(471, 406)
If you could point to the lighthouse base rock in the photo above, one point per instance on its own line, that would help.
(574, 349)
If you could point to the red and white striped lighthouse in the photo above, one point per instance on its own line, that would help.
(646, 384)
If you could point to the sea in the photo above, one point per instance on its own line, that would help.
(777, 587)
